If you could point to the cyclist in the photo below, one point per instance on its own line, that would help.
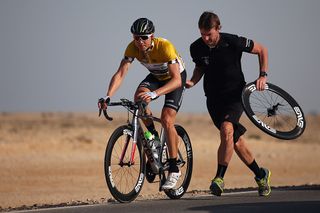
(167, 77)
(217, 57)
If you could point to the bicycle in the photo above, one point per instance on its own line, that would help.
(273, 111)
(127, 150)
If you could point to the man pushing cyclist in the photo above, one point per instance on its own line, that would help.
(217, 57)
(167, 77)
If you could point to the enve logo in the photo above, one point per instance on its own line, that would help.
(139, 184)
(252, 88)
(110, 176)
(264, 125)
(300, 121)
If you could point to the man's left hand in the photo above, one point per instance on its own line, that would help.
(261, 83)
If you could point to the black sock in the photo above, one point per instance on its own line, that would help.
(256, 169)
(173, 165)
(221, 170)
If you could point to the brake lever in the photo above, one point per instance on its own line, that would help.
(106, 115)
(101, 102)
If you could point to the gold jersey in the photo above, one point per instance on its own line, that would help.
(157, 58)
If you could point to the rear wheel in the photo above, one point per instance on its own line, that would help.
(185, 163)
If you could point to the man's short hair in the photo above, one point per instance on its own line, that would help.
(209, 20)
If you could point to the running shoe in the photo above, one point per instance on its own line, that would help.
(264, 188)
(217, 185)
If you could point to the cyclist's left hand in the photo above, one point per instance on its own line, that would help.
(261, 83)
(148, 96)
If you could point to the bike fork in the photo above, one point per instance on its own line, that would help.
(124, 150)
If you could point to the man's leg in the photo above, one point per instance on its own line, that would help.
(225, 152)
(243, 152)
(168, 118)
(247, 158)
(262, 175)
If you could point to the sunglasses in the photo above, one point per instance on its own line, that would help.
(142, 37)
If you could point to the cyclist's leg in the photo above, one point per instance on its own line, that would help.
(136, 98)
(168, 116)
(170, 109)
(147, 85)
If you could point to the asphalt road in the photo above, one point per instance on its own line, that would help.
(293, 199)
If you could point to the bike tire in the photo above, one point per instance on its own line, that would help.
(124, 181)
(185, 164)
(273, 111)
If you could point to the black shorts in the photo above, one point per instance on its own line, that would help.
(222, 110)
(173, 99)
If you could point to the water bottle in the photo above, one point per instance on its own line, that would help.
(153, 144)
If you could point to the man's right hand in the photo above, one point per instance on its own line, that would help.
(189, 84)
(103, 102)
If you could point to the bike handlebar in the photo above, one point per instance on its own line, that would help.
(124, 103)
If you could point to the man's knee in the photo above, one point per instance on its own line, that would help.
(239, 130)
(239, 144)
(226, 131)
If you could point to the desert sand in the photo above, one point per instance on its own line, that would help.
(57, 158)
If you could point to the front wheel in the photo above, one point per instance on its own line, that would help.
(124, 165)
(185, 163)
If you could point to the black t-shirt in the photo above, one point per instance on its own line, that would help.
(222, 64)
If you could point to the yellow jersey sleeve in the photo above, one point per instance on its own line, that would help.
(131, 52)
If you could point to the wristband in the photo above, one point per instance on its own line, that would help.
(152, 95)
(263, 74)
(106, 99)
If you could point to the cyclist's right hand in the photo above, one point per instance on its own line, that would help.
(103, 102)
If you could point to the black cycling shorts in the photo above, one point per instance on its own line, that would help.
(173, 99)
(221, 110)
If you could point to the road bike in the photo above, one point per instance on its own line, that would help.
(129, 158)
(274, 111)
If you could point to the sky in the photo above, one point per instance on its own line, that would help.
(59, 55)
